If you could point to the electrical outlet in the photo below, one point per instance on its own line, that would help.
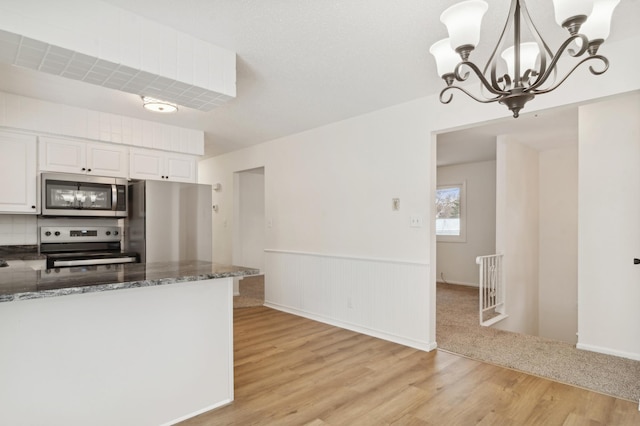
(395, 204)
(415, 221)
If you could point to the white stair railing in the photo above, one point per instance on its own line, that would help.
(492, 292)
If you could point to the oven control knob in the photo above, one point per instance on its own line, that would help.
(57, 233)
(108, 232)
(115, 233)
(48, 233)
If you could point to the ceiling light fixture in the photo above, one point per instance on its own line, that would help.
(528, 65)
(157, 105)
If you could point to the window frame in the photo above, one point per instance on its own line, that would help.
(462, 237)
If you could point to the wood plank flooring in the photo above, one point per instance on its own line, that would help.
(293, 371)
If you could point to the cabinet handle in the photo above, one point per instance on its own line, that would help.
(33, 207)
(83, 169)
(636, 261)
(88, 170)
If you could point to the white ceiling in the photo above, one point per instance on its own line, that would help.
(303, 63)
(541, 131)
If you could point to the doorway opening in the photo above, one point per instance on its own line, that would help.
(249, 235)
(520, 183)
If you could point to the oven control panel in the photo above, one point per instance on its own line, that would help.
(72, 234)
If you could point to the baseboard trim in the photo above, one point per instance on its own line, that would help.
(197, 413)
(459, 283)
(607, 351)
(423, 346)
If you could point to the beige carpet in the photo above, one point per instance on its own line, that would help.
(251, 292)
(458, 331)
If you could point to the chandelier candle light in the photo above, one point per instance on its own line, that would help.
(528, 65)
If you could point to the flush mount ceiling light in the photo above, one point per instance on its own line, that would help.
(157, 105)
(528, 65)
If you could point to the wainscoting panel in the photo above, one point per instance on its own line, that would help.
(382, 298)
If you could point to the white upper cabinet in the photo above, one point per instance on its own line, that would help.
(146, 164)
(70, 156)
(181, 168)
(18, 192)
(160, 165)
(107, 160)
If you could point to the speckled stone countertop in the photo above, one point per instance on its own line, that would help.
(24, 283)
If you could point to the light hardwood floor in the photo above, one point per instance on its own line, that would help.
(293, 371)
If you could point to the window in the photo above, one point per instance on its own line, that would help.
(450, 213)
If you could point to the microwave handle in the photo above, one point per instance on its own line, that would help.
(114, 197)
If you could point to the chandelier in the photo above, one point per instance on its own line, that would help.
(528, 64)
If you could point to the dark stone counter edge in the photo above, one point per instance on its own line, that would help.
(21, 252)
(122, 286)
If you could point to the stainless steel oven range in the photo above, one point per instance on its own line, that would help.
(72, 246)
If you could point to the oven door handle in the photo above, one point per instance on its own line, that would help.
(89, 262)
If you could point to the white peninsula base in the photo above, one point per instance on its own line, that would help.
(142, 356)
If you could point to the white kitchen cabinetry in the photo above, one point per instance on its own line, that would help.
(70, 156)
(160, 165)
(18, 192)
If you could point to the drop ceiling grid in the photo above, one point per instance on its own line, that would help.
(34, 54)
(127, 52)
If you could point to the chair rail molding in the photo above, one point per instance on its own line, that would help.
(384, 298)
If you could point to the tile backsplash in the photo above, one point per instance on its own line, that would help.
(18, 229)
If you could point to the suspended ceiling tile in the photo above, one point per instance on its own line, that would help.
(116, 49)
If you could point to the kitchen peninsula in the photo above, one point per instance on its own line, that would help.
(131, 344)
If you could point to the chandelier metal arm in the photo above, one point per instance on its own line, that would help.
(490, 87)
(604, 60)
(531, 69)
(555, 58)
(492, 61)
(545, 51)
(446, 101)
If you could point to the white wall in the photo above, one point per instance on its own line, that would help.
(457, 260)
(517, 233)
(558, 244)
(222, 170)
(329, 190)
(250, 246)
(609, 228)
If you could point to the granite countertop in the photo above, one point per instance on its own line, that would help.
(24, 283)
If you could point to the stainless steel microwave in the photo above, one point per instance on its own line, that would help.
(81, 195)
